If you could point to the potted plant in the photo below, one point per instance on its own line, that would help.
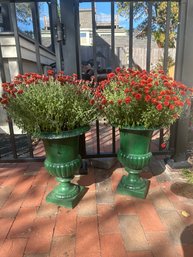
(57, 109)
(137, 103)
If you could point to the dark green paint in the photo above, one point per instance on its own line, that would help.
(134, 155)
(62, 161)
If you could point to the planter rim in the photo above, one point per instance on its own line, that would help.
(64, 134)
(137, 128)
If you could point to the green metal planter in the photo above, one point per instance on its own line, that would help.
(62, 161)
(134, 155)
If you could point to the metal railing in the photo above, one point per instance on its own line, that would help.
(159, 150)
(97, 128)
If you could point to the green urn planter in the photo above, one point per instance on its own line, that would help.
(62, 161)
(134, 154)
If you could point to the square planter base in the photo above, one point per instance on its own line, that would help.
(66, 202)
(139, 193)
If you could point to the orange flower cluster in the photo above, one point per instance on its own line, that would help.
(52, 102)
(133, 95)
(14, 88)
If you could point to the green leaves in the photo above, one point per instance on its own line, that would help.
(51, 106)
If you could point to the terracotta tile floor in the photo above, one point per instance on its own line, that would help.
(104, 224)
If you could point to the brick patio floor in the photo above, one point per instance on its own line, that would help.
(103, 224)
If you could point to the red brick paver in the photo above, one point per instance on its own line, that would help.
(104, 224)
(13, 247)
(41, 236)
(148, 216)
(65, 228)
(87, 237)
(112, 245)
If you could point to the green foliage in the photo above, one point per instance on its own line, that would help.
(50, 106)
(159, 65)
(159, 11)
(188, 175)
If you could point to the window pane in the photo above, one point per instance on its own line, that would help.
(82, 34)
(24, 19)
(45, 24)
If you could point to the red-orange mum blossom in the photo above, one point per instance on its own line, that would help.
(141, 98)
(12, 89)
(49, 103)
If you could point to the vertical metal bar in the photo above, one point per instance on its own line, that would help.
(113, 140)
(95, 66)
(178, 63)
(55, 21)
(20, 68)
(12, 138)
(16, 35)
(184, 73)
(131, 35)
(37, 37)
(69, 47)
(51, 26)
(161, 136)
(38, 22)
(94, 39)
(9, 15)
(98, 137)
(31, 154)
(172, 140)
(149, 34)
(77, 37)
(82, 146)
(180, 43)
(2, 69)
(112, 34)
(34, 8)
(167, 34)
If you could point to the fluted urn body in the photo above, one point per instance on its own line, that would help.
(134, 154)
(62, 161)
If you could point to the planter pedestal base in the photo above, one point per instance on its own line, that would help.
(126, 188)
(66, 194)
(134, 154)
